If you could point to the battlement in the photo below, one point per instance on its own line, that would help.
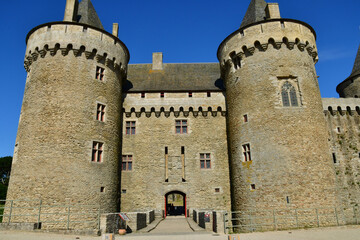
(80, 38)
(178, 112)
(270, 33)
(342, 106)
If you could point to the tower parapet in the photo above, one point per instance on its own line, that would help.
(68, 141)
(279, 154)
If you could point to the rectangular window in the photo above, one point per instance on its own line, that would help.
(143, 95)
(252, 187)
(334, 157)
(217, 190)
(100, 72)
(205, 160)
(246, 153)
(130, 127)
(190, 94)
(127, 161)
(245, 118)
(100, 112)
(208, 94)
(162, 94)
(181, 126)
(97, 152)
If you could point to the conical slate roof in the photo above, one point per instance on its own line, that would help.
(255, 12)
(88, 15)
(356, 68)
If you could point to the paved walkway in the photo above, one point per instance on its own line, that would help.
(335, 233)
(173, 224)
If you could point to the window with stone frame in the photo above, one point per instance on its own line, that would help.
(130, 127)
(205, 160)
(246, 152)
(100, 73)
(181, 126)
(100, 112)
(288, 95)
(97, 152)
(127, 163)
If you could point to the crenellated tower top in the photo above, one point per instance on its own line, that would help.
(263, 27)
(82, 33)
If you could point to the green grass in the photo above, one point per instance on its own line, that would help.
(1, 212)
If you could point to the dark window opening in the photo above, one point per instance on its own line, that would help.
(123, 191)
(246, 153)
(287, 199)
(162, 94)
(205, 160)
(142, 95)
(127, 162)
(181, 126)
(97, 152)
(166, 150)
(208, 94)
(190, 94)
(245, 118)
(334, 157)
(182, 150)
(100, 73)
(252, 187)
(100, 112)
(102, 189)
(217, 190)
(288, 95)
(130, 128)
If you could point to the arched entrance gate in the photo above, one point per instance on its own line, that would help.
(175, 204)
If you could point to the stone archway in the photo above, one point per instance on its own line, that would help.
(175, 204)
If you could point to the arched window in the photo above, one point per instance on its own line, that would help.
(288, 94)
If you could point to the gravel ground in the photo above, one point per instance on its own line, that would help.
(335, 233)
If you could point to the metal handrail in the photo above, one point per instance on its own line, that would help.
(69, 214)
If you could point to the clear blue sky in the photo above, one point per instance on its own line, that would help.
(186, 31)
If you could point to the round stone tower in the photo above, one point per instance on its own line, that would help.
(69, 135)
(278, 143)
(350, 87)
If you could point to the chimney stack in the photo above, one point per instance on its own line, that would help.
(157, 63)
(115, 30)
(71, 11)
(272, 11)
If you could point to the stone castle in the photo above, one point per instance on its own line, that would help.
(249, 132)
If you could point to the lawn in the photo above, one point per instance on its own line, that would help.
(1, 211)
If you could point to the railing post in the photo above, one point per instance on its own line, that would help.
(40, 203)
(297, 219)
(225, 222)
(11, 207)
(68, 219)
(274, 217)
(317, 217)
(337, 217)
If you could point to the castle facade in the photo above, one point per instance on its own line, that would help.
(249, 132)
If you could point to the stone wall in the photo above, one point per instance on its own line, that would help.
(290, 163)
(145, 186)
(343, 122)
(58, 122)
